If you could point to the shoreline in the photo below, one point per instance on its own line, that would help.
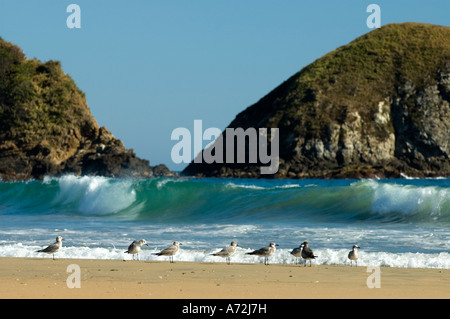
(99, 278)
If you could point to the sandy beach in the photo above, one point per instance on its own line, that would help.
(47, 278)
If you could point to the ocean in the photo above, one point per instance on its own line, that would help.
(396, 222)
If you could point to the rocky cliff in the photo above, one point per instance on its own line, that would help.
(378, 106)
(46, 128)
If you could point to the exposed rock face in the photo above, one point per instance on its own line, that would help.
(46, 128)
(379, 106)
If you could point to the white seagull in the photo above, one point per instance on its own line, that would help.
(53, 248)
(227, 252)
(297, 252)
(135, 247)
(170, 251)
(265, 252)
(353, 255)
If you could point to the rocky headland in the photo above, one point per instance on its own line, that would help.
(376, 107)
(47, 129)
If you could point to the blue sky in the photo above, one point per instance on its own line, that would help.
(150, 66)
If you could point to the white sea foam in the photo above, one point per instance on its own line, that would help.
(233, 185)
(95, 195)
(281, 256)
(163, 182)
(409, 199)
(256, 187)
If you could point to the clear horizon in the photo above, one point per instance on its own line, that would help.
(149, 67)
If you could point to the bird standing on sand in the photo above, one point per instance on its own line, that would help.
(135, 247)
(170, 251)
(353, 255)
(227, 252)
(307, 253)
(265, 252)
(297, 252)
(53, 248)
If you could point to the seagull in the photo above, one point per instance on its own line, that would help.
(135, 247)
(227, 252)
(53, 248)
(170, 251)
(307, 253)
(265, 252)
(353, 255)
(297, 252)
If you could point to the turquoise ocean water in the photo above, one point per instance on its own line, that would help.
(398, 223)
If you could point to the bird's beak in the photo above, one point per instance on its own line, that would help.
(277, 245)
(146, 244)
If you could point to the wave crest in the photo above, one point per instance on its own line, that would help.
(215, 200)
(95, 195)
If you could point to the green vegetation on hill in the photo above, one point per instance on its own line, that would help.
(37, 100)
(360, 74)
(378, 104)
(47, 129)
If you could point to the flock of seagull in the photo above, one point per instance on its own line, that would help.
(302, 251)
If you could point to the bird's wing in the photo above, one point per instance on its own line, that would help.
(224, 252)
(229, 250)
(307, 253)
(169, 250)
(262, 251)
(130, 248)
(50, 248)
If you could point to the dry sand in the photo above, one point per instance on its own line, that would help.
(47, 278)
